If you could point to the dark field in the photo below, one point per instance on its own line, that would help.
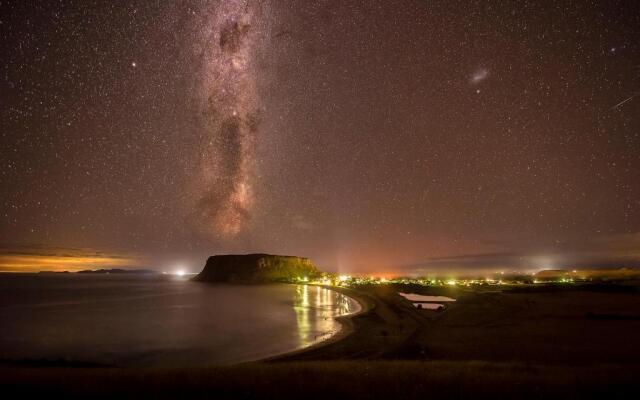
(543, 327)
(542, 341)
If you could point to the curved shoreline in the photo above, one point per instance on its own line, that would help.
(345, 321)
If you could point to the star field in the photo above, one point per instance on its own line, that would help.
(396, 136)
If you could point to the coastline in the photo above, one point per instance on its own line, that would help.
(347, 327)
(385, 329)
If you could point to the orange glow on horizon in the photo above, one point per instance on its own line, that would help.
(58, 263)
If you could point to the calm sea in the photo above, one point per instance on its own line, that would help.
(158, 320)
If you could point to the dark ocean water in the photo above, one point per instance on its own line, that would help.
(158, 320)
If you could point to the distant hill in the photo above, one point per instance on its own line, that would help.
(256, 268)
(117, 271)
(618, 273)
(53, 272)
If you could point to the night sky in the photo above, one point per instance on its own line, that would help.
(371, 136)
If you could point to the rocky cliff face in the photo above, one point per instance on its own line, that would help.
(256, 268)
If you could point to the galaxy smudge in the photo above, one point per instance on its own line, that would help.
(229, 108)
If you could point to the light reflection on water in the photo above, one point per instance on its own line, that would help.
(320, 305)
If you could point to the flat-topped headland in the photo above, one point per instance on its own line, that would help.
(256, 268)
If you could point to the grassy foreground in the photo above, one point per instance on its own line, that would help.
(336, 379)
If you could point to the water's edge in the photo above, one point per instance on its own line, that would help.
(345, 321)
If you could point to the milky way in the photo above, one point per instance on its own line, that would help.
(229, 115)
